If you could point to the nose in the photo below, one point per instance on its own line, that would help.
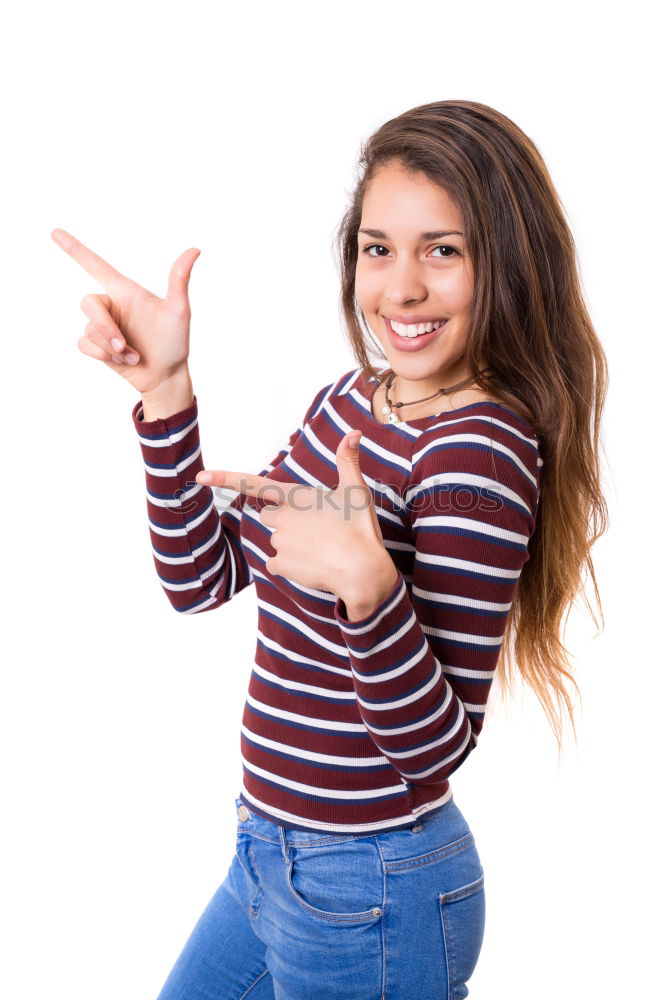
(404, 282)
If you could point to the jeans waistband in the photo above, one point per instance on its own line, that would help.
(274, 833)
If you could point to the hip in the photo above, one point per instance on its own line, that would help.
(391, 915)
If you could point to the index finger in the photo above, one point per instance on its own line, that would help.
(89, 261)
(245, 482)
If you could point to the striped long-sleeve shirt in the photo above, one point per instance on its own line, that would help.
(355, 727)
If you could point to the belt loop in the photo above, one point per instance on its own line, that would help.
(284, 844)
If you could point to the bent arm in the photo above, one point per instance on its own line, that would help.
(423, 660)
(197, 548)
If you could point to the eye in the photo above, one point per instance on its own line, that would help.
(367, 249)
(447, 247)
(371, 246)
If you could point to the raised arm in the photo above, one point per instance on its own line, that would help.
(423, 662)
(145, 340)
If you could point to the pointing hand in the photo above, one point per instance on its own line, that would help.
(324, 539)
(129, 321)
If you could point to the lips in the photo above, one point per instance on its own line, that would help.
(409, 344)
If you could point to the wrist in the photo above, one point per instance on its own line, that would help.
(172, 394)
(370, 586)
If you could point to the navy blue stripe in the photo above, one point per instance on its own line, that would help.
(197, 578)
(444, 445)
(312, 412)
(318, 764)
(406, 692)
(275, 654)
(478, 536)
(303, 727)
(165, 434)
(485, 493)
(285, 690)
(468, 574)
(453, 608)
(363, 649)
(195, 604)
(421, 718)
(187, 520)
(170, 465)
(307, 797)
(175, 555)
(274, 617)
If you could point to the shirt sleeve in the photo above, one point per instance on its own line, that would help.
(423, 661)
(195, 533)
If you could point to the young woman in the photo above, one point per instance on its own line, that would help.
(390, 568)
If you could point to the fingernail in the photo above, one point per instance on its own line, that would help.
(131, 359)
(204, 477)
(117, 343)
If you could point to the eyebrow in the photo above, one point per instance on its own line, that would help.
(434, 235)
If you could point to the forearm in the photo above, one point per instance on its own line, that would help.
(197, 549)
(398, 679)
(172, 395)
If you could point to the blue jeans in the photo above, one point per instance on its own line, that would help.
(311, 916)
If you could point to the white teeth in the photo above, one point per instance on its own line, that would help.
(413, 329)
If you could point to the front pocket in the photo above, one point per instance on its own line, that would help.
(245, 856)
(463, 913)
(342, 883)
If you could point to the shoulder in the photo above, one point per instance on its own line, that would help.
(339, 386)
(481, 446)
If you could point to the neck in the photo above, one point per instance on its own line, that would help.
(407, 391)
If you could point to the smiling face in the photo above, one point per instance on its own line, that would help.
(413, 267)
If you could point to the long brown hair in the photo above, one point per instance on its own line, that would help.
(530, 323)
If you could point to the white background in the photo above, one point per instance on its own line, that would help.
(148, 128)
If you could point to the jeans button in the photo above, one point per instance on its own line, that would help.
(243, 813)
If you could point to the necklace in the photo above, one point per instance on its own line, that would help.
(393, 419)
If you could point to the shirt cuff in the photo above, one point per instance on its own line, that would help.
(394, 606)
(173, 422)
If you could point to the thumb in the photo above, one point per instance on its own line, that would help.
(348, 460)
(179, 279)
